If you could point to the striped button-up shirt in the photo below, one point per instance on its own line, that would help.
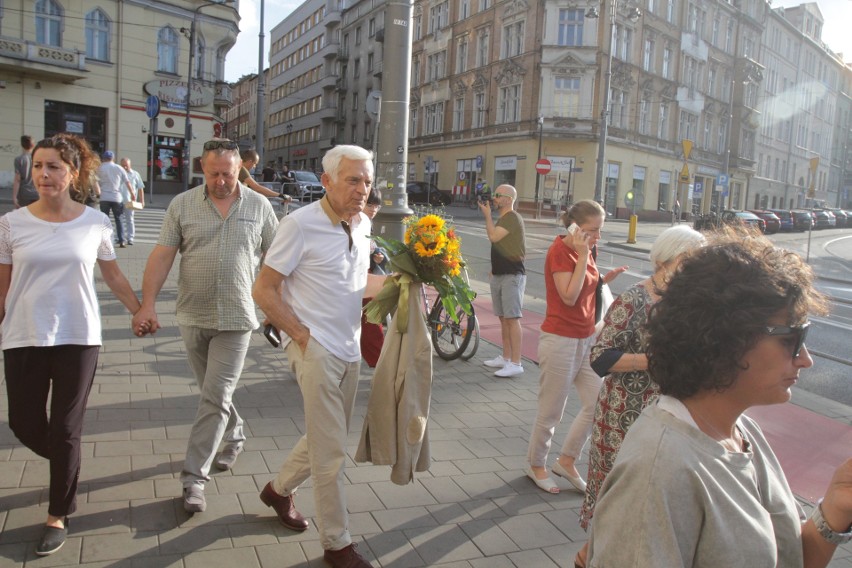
(219, 257)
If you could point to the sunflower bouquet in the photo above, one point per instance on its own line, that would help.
(430, 253)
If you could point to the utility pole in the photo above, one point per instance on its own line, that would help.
(392, 147)
(261, 93)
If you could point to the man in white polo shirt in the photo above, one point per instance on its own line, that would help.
(311, 286)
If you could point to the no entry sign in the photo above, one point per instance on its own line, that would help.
(543, 166)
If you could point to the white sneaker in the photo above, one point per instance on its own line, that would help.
(510, 370)
(497, 362)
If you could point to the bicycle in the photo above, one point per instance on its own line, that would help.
(450, 338)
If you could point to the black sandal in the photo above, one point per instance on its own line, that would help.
(52, 539)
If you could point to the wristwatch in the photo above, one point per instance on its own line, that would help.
(825, 531)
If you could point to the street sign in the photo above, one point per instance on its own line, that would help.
(543, 166)
(698, 188)
(479, 163)
(684, 173)
(722, 179)
(152, 106)
(687, 149)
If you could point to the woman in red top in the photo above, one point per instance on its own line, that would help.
(567, 335)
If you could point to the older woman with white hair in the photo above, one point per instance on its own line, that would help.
(619, 357)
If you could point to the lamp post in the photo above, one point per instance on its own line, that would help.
(289, 128)
(537, 175)
(602, 130)
(187, 123)
(260, 135)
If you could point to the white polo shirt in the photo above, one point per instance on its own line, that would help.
(324, 280)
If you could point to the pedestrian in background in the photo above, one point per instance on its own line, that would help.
(23, 189)
(51, 325)
(139, 197)
(372, 335)
(696, 482)
(618, 356)
(508, 276)
(249, 161)
(311, 287)
(222, 230)
(567, 335)
(110, 186)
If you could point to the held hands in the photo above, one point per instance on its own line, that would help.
(614, 273)
(145, 322)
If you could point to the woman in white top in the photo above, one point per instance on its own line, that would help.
(51, 324)
(695, 482)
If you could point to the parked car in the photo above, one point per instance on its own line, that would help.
(803, 219)
(824, 219)
(425, 193)
(744, 218)
(785, 216)
(773, 222)
(305, 186)
(844, 219)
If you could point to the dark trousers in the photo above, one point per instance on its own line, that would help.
(117, 212)
(29, 374)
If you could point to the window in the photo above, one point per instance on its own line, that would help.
(369, 62)
(458, 114)
(570, 27)
(667, 62)
(358, 34)
(48, 22)
(479, 110)
(687, 126)
(566, 96)
(199, 57)
(97, 35)
(624, 42)
(729, 36)
(711, 82)
(436, 66)
(439, 16)
(461, 55)
(510, 104)
(412, 123)
(618, 108)
(464, 9)
(708, 133)
(482, 39)
(648, 55)
(167, 50)
(434, 122)
(415, 71)
(663, 125)
(371, 27)
(418, 27)
(717, 24)
(722, 142)
(484, 5)
(513, 39)
(670, 10)
(645, 113)
(690, 72)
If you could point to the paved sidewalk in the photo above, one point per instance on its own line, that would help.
(474, 508)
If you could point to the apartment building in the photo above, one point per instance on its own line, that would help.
(88, 67)
(240, 119)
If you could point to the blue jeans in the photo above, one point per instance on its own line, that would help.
(117, 212)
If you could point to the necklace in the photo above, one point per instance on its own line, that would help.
(729, 441)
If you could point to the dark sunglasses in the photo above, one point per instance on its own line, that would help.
(496, 195)
(800, 332)
(211, 145)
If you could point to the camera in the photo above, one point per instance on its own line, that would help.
(485, 196)
(272, 335)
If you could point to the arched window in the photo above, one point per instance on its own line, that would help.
(48, 22)
(97, 35)
(167, 50)
(200, 63)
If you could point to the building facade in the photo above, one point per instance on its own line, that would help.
(89, 66)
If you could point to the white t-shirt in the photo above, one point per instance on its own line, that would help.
(52, 298)
(113, 181)
(324, 280)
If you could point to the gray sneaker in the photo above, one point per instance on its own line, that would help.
(193, 499)
(228, 457)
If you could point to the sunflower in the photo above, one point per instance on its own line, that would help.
(431, 222)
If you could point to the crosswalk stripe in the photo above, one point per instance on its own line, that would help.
(148, 223)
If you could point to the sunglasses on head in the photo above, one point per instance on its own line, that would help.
(211, 145)
(800, 332)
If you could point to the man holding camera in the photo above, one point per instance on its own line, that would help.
(508, 276)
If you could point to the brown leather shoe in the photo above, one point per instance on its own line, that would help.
(346, 557)
(284, 506)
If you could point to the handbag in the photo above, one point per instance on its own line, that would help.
(134, 205)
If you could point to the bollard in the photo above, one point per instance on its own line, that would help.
(631, 231)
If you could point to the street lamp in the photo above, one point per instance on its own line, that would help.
(633, 15)
(289, 128)
(187, 123)
(537, 175)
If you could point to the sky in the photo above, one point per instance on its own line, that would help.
(242, 59)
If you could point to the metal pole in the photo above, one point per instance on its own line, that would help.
(261, 93)
(537, 175)
(187, 132)
(602, 131)
(392, 158)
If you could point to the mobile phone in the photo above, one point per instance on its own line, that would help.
(573, 228)
(272, 335)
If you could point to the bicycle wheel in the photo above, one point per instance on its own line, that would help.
(474, 340)
(449, 338)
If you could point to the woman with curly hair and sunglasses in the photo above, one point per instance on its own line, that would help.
(51, 322)
(695, 482)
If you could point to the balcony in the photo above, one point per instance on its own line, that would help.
(329, 50)
(377, 69)
(328, 111)
(329, 81)
(222, 96)
(341, 84)
(42, 61)
(343, 53)
(333, 17)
